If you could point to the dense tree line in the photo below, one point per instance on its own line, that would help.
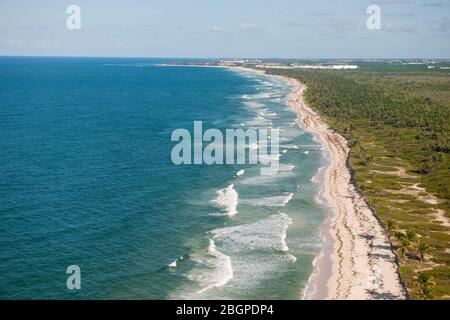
(356, 100)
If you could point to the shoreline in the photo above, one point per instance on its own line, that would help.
(356, 262)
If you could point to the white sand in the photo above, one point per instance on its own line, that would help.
(359, 264)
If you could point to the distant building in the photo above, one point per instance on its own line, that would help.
(308, 66)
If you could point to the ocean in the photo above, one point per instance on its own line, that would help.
(86, 179)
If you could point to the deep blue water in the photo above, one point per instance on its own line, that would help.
(86, 178)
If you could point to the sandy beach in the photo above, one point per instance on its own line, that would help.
(357, 262)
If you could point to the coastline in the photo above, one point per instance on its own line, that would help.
(356, 261)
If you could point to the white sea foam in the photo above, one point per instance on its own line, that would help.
(284, 246)
(260, 122)
(261, 95)
(173, 264)
(289, 146)
(286, 167)
(262, 180)
(240, 173)
(239, 258)
(275, 201)
(268, 235)
(267, 84)
(268, 113)
(253, 104)
(227, 198)
(223, 270)
(243, 255)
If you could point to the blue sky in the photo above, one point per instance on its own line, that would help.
(227, 28)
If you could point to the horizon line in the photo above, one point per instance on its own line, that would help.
(218, 58)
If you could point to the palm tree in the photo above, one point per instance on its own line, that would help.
(425, 166)
(426, 282)
(405, 245)
(423, 248)
(411, 236)
(370, 159)
(399, 235)
(390, 224)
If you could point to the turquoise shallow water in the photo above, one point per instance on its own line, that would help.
(87, 179)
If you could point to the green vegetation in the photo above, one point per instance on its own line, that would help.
(397, 122)
(425, 283)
